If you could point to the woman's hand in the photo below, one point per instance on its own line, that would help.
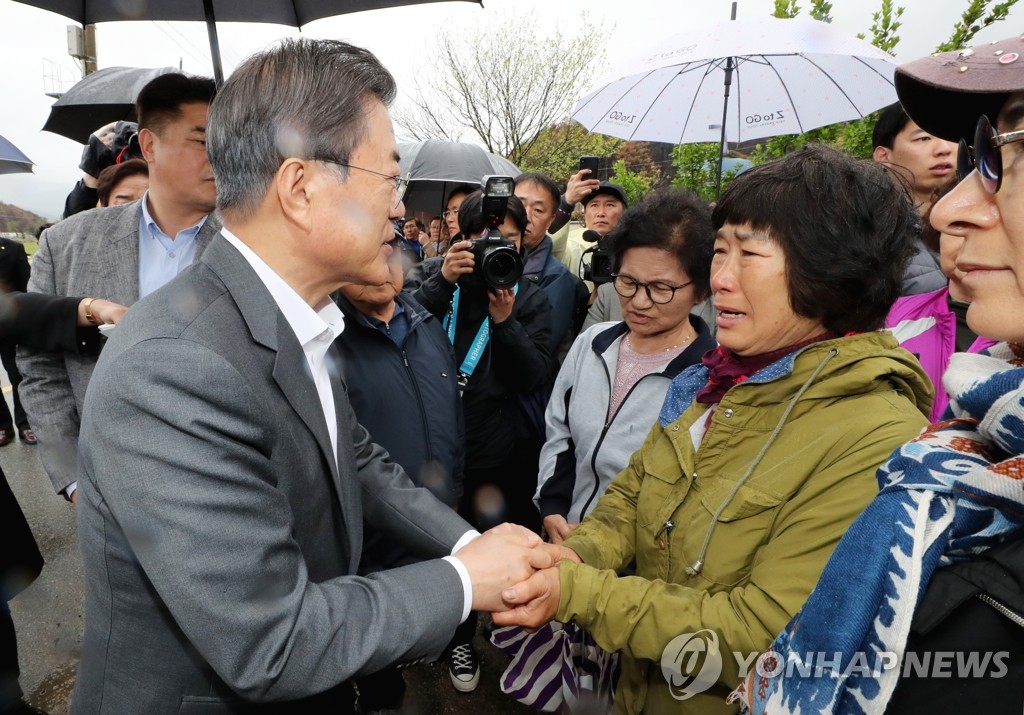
(102, 311)
(500, 304)
(557, 528)
(458, 261)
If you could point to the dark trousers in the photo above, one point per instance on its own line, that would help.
(381, 691)
(7, 352)
(10, 691)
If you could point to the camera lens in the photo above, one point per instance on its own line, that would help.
(502, 268)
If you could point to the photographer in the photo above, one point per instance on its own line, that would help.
(514, 358)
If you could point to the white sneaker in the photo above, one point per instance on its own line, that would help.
(464, 668)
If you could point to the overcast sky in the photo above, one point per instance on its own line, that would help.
(401, 37)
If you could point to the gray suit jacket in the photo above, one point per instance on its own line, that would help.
(94, 253)
(218, 533)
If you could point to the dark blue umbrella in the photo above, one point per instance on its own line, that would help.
(12, 160)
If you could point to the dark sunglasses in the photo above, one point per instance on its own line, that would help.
(985, 155)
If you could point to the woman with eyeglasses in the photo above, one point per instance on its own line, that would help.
(611, 384)
(926, 589)
(762, 455)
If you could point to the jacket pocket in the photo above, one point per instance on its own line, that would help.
(739, 531)
(666, 482)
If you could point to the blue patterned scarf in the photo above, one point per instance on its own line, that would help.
(953, 492)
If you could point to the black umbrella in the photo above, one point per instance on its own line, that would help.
(435, 167)
(12, 161)
(105, 96)
(294, 13)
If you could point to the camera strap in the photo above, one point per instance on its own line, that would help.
(476, 350)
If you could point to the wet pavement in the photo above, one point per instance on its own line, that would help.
(48, 614)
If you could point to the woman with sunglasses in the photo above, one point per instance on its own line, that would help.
(762, 455)
(926, 590)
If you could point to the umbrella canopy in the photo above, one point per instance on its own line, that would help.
(294, 13)
(12, 161)
(435, 167)
(786, 77)
(105, 96)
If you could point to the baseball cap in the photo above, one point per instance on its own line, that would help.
(609, 189)
(945, 93)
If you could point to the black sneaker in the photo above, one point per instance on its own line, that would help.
(464, 668)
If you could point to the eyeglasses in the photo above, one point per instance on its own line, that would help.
(450, 212)
(401, 182)
(985, 155)
(658, 292)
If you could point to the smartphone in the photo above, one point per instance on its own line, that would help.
(589, 162)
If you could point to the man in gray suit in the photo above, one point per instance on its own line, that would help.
(122, 253)
(224, 478)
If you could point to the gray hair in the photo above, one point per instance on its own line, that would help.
(302, 98)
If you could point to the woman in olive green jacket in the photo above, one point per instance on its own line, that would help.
(762, 456)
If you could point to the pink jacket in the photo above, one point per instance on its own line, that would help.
(924, 325)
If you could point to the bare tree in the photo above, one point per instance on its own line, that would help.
(503, 83)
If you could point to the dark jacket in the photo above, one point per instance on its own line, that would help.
(957, 615)
(517, 358)
(45, 322)
(408, 400)
(566, 293)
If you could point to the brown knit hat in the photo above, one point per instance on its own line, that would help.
(946, 93)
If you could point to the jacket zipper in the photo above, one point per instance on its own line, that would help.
(604, 432)
(419, 401)
(1004, 610)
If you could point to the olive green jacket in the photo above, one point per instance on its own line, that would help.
(864, 396)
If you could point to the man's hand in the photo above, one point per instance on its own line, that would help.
(578, 186)
(500, 304)
(501, 558)
(557, 528)
(104, 311)
(457, 262)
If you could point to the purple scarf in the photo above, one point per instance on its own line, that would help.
(726, 368)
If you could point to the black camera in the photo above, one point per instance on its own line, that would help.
(600, 268)
(497, 263)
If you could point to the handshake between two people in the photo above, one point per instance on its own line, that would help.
(514, 575)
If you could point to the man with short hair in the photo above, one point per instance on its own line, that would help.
(566, 293)
(602, 208)
(399, 368)
(926, 163)
(435, 245)
(224, 478)
(411, 230)
(122, 253)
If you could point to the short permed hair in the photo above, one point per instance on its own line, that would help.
(160, 101)
(846, 229)
(890, 122)
(675, 220)
(302, 98)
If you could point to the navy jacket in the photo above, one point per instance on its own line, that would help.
(408, 400)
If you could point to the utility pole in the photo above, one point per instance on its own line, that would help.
(89, 61)
(82, 46)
